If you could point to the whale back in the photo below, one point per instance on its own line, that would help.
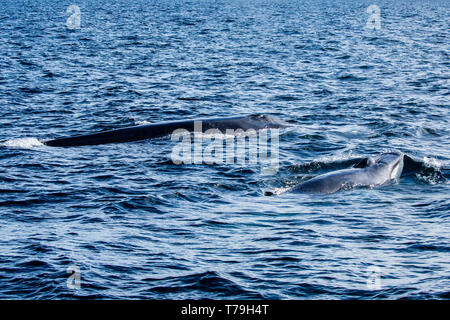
(161, 129)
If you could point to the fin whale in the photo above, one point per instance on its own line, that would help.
(157, 130)
(368, 172)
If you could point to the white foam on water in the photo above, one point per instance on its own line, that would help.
(278, 191)
(432, 162)
(343, 156)
(141, 123)
(23, 143)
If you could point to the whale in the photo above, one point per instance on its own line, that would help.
(369, 172)
(161, 129)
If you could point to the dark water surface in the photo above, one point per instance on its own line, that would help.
(138, 226)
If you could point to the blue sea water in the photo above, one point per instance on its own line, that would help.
(138, 226)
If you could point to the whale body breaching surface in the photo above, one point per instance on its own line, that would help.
(161, 129)
(369, 172)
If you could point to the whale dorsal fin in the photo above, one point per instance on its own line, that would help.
(366, 162)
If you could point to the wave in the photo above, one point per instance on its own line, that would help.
(198, 284)
(427, 170)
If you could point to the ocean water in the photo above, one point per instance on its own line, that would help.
(134, 225)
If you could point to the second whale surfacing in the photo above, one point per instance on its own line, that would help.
(368, 172)
(161, 129)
